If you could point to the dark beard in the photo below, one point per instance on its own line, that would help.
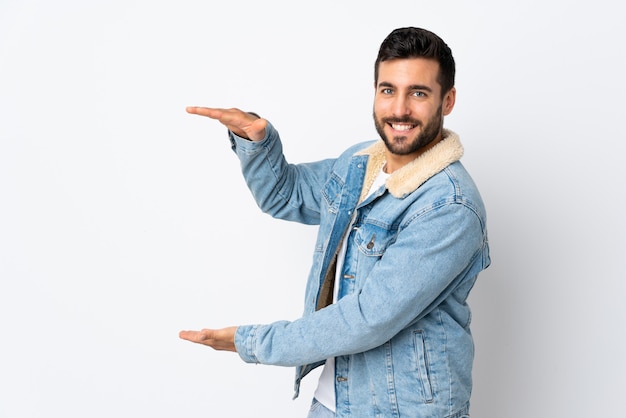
(399, 145)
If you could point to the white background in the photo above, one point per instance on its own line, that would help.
(124, 220)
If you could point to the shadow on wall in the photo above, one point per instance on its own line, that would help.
(495, 316)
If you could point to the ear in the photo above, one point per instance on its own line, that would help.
(448, 102)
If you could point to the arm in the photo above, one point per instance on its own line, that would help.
(403, 287)
(284, 191)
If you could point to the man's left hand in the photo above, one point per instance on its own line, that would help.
(218, 339)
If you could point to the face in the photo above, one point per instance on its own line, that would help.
(408, 107)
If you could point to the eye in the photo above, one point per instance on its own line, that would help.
(419, 94)
(386, 90)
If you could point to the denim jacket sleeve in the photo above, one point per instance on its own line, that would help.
(285, 191)
(438, 252)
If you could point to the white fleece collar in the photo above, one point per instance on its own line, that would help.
(408, 178)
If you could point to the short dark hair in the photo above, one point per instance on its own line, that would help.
(413, 42)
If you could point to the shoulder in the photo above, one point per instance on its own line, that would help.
(358, 148)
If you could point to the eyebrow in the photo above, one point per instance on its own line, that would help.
(411, 87)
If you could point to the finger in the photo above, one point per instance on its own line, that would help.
(234, 119)
(212, 113)
(193, 336)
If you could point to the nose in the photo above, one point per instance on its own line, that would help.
(400, 106)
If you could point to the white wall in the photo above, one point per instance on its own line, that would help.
(124, 220)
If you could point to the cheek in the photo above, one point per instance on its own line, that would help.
(379, 108)
(425, 112)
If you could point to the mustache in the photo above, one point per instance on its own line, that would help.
(405, 120)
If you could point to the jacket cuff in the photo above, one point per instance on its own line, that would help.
(246, 145)
(245, 342)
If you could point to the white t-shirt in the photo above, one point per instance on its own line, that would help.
(325, 391)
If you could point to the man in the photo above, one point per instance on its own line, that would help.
(402, 238)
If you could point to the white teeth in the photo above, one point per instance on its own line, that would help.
(401, 127)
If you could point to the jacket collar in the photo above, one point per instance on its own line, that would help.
(407, 179)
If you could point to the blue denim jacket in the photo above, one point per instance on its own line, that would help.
(400, 328)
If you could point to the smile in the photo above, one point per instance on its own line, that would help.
(401, 126)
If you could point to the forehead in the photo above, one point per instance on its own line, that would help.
(409, 71)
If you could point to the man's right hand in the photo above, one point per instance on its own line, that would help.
(243, 124)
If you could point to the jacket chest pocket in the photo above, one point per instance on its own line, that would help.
(332, 193)
(372, 240)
